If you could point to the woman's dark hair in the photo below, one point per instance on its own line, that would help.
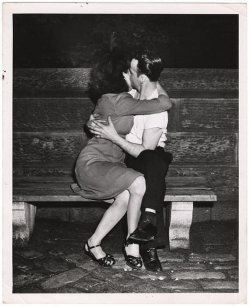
(106, 75)
(149, 64)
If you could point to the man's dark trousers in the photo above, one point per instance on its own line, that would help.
(154, 165)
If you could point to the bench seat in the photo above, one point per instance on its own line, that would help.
(46, 189)
(181, 192)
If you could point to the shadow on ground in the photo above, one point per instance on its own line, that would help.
(54, 262)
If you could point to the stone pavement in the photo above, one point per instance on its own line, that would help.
(53, 262)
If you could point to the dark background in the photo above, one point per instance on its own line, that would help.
(75, 40)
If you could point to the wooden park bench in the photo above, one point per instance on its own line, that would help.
(49, 110)
(181, 193)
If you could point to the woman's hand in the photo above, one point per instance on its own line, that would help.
(107, 132)
(93, 117)
(127, 79)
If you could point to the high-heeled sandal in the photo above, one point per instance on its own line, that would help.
(132, 261)
(106, 261)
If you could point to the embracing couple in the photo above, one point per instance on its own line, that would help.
(125, 160)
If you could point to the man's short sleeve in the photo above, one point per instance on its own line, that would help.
(159, 120)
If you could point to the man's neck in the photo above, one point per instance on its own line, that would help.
(147, 90)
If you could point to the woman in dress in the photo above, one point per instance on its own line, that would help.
(100, 170)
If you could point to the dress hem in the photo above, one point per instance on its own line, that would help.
(78, 190)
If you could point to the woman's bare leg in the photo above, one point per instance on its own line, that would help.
(137, 191)
(110, 218)
(130, 201)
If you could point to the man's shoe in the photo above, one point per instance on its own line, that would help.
(151, 260)
(146, 229)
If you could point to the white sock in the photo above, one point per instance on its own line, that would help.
(150, 210)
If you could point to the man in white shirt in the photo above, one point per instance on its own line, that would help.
(145, 153)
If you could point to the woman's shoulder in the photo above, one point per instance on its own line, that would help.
(117, 100)
(116, 97)
(123, 95)
(106, 98)
(112, 96)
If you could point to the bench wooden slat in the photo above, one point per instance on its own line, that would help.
(32, 189)
(70, 114)
(75, 198)
(172, 181)
(188, 147)
(29, 80)
(61, 182)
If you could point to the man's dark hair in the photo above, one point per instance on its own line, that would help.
(149, 64)
(106, 75)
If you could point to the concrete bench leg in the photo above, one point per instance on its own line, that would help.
(181, 219)
(23, 220)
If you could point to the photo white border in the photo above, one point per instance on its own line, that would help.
(124, 8)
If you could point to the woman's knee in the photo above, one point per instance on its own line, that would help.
(138, 186)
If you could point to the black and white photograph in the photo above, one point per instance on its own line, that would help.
(123, 124)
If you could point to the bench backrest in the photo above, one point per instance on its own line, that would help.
(49, 117)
